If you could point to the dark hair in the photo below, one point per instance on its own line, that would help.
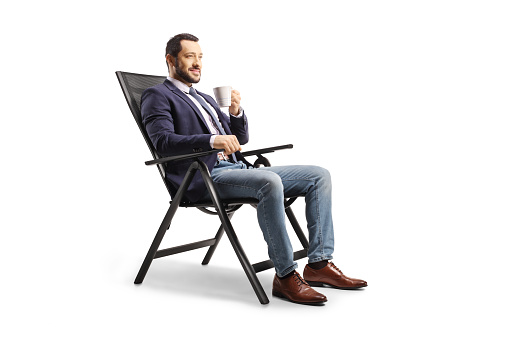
(173, 47)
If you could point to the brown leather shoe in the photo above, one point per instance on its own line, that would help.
(332, 276)
(297, 290)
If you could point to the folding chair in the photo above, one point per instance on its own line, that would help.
(133, 86)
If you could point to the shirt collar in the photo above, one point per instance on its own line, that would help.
(179, 84)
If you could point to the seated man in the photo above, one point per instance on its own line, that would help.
(180, 120)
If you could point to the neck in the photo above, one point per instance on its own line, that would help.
(176, 77)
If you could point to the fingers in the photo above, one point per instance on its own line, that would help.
(229, 143)
(234, 108)
(236, 97)
(232, 145)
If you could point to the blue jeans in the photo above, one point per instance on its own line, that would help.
(270, 185)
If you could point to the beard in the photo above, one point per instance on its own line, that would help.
(184, 75)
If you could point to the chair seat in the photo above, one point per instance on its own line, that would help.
(233, 202)
(226, 202)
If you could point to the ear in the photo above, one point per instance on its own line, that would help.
(170, 60)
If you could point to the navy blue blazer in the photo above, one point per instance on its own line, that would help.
(175, 126)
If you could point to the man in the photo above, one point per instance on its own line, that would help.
(180, 120)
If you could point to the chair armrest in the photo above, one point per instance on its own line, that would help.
(182, 157)
(266, 150)
(257, 152)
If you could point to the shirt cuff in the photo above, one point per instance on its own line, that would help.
(212, 138)
(241, 113)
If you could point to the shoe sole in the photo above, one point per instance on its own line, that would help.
(320, 284)
(282, 296)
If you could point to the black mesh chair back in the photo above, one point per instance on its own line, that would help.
(133, 86)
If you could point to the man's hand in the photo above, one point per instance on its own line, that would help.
(234, 108)
(229, 143)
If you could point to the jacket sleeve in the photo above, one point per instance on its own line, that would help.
(158, 120)
(239, 128)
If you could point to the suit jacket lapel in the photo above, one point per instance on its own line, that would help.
(186, 99)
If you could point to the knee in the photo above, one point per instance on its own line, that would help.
(270, 183)
(321, 174)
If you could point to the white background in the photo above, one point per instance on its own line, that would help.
(404, 101)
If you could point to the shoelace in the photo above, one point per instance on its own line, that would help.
(299, 279)
(334, 266)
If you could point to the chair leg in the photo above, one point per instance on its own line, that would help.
(165, 224)
(225, 220)
(212, 248)
(246, 265)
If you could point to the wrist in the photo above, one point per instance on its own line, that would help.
(234, 110)
(239, 112)
(212, 138)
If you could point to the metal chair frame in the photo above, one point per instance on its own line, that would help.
(224, 209)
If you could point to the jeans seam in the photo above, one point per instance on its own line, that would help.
(297, 179)
(319, 219)
(288, 270)
(234, 185)
(265, 223)
(324, 257)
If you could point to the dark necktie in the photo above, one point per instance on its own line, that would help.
(217, 124)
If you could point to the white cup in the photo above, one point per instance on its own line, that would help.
(223, 96)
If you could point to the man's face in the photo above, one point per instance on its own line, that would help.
(188, 63)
